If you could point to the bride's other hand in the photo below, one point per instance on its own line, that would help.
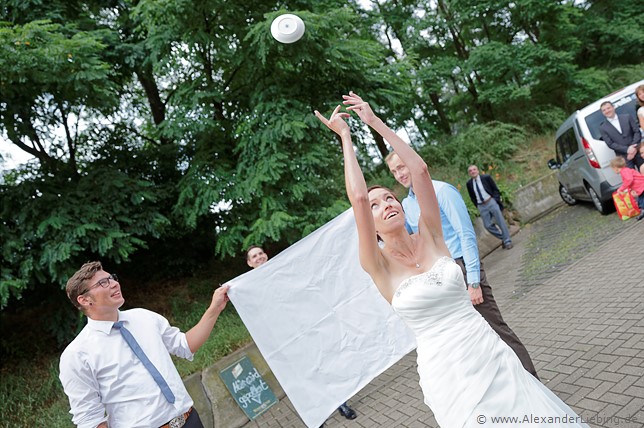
(336, 122)
(361, 107)
(476, 295)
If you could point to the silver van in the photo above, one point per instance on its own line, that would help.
(583, 159)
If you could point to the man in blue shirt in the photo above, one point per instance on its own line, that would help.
(460, 238)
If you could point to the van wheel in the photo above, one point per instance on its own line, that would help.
(567, 198)
(603, 207)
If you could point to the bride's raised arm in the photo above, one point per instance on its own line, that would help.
(421, 180)
(370, 256)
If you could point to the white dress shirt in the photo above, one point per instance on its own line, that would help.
(615, 122)
(477, 182)
(106, 381)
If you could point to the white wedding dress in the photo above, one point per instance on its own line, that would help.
(468, 375)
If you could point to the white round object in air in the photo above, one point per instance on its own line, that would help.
(287, 28)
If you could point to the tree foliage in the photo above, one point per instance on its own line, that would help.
(162, 130)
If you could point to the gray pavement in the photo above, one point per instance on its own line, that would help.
(573, 290)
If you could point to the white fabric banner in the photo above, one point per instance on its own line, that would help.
(319, 320)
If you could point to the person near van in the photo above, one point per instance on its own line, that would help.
(632, 181)
(486, 196)
(639, 109)
(255, 257)
(620, 133)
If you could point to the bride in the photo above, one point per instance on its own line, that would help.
(468, 375)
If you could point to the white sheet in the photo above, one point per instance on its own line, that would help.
(319, 321)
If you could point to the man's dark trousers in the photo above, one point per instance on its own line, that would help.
(490, 311)
(194, 421)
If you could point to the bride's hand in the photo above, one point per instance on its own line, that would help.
(361, 107)
(336, 122)
(476, 295)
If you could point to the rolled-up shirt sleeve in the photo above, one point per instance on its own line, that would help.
(82, 390)
(174, 339)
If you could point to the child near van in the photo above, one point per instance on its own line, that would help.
(632, 181)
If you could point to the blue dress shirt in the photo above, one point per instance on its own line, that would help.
(458, 230)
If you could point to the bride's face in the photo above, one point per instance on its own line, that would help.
(386, 210)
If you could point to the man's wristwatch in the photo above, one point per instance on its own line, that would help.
(473, 285)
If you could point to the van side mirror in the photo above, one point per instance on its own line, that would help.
(553, 164)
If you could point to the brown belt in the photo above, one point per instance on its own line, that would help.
(486, 201)
(179, 421)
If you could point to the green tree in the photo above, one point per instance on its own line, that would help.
(612, 34)
(487, 60)
(179, 119)
(191, 129)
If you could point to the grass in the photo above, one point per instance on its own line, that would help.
(30, 393)
(525, 167)
(228, 335)
(560, 239)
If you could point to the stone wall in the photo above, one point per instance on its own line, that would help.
(531, 201)
(537, 198)
(216, 407)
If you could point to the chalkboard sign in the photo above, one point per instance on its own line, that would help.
(248, 388)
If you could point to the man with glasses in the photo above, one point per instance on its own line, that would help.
(118, 371)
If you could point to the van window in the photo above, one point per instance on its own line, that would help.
(566, 145)
(624, 105)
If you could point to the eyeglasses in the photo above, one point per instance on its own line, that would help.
(105, 282)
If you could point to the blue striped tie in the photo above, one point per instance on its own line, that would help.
(136, 348)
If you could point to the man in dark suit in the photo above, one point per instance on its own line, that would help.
(620, 133)
(485, 195)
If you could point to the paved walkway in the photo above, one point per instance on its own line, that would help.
(583, 324)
